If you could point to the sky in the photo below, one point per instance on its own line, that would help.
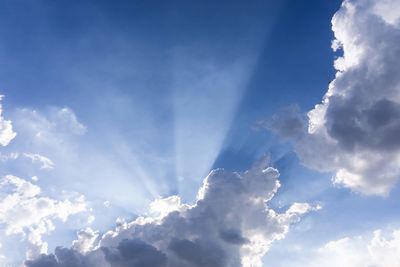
(199, 133)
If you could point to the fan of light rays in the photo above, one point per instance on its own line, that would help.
(206, 93)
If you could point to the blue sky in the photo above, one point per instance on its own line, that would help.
(116, 104)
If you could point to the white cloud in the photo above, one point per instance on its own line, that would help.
(354, 131)
(66, 118)
(45, 163)
(6, 131)
(360, 251)
(53, 127)
(86, 240)
(24, 211)
(163, 206)
(230, 225)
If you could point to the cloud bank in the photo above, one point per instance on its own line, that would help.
(230, 225)
(355, 131)
(376, 251)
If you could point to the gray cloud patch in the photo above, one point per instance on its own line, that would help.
(232, 236)
(376, 126)
(199, 253)
(289, 123)
(135, 253)
(62, 257)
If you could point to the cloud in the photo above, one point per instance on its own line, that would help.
(77, 153)
(51, 127)
(45, 163)
(6, 131)
(67, 121)
(21, 160)
(86, 240)
(230, 225)
(24, 211)
(360, 251)
(354, 131)
(289, 123)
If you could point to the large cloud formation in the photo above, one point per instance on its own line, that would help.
(230, 225)
(355, 131)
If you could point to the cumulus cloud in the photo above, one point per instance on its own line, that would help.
(229, 225)
(6, 131)
(86, 240)
(355, 131)
(24, 211)
(377, 250)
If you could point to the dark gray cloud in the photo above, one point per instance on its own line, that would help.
(62, 257)
(233, 236)
(375, 126)
(135, 253)
(199, 253)
(43, 260)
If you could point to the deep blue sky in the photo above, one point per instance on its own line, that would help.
(43, 43)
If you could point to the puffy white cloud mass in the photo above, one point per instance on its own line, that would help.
(355, 131)
(6, 131)
(24, 211)
(229, 225)
(360, 251)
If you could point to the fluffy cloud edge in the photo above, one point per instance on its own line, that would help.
(372, 249)
(6, 130)
(353, 132)
(26, 212)
(229, 225)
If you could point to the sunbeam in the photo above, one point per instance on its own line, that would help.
(206, 94)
